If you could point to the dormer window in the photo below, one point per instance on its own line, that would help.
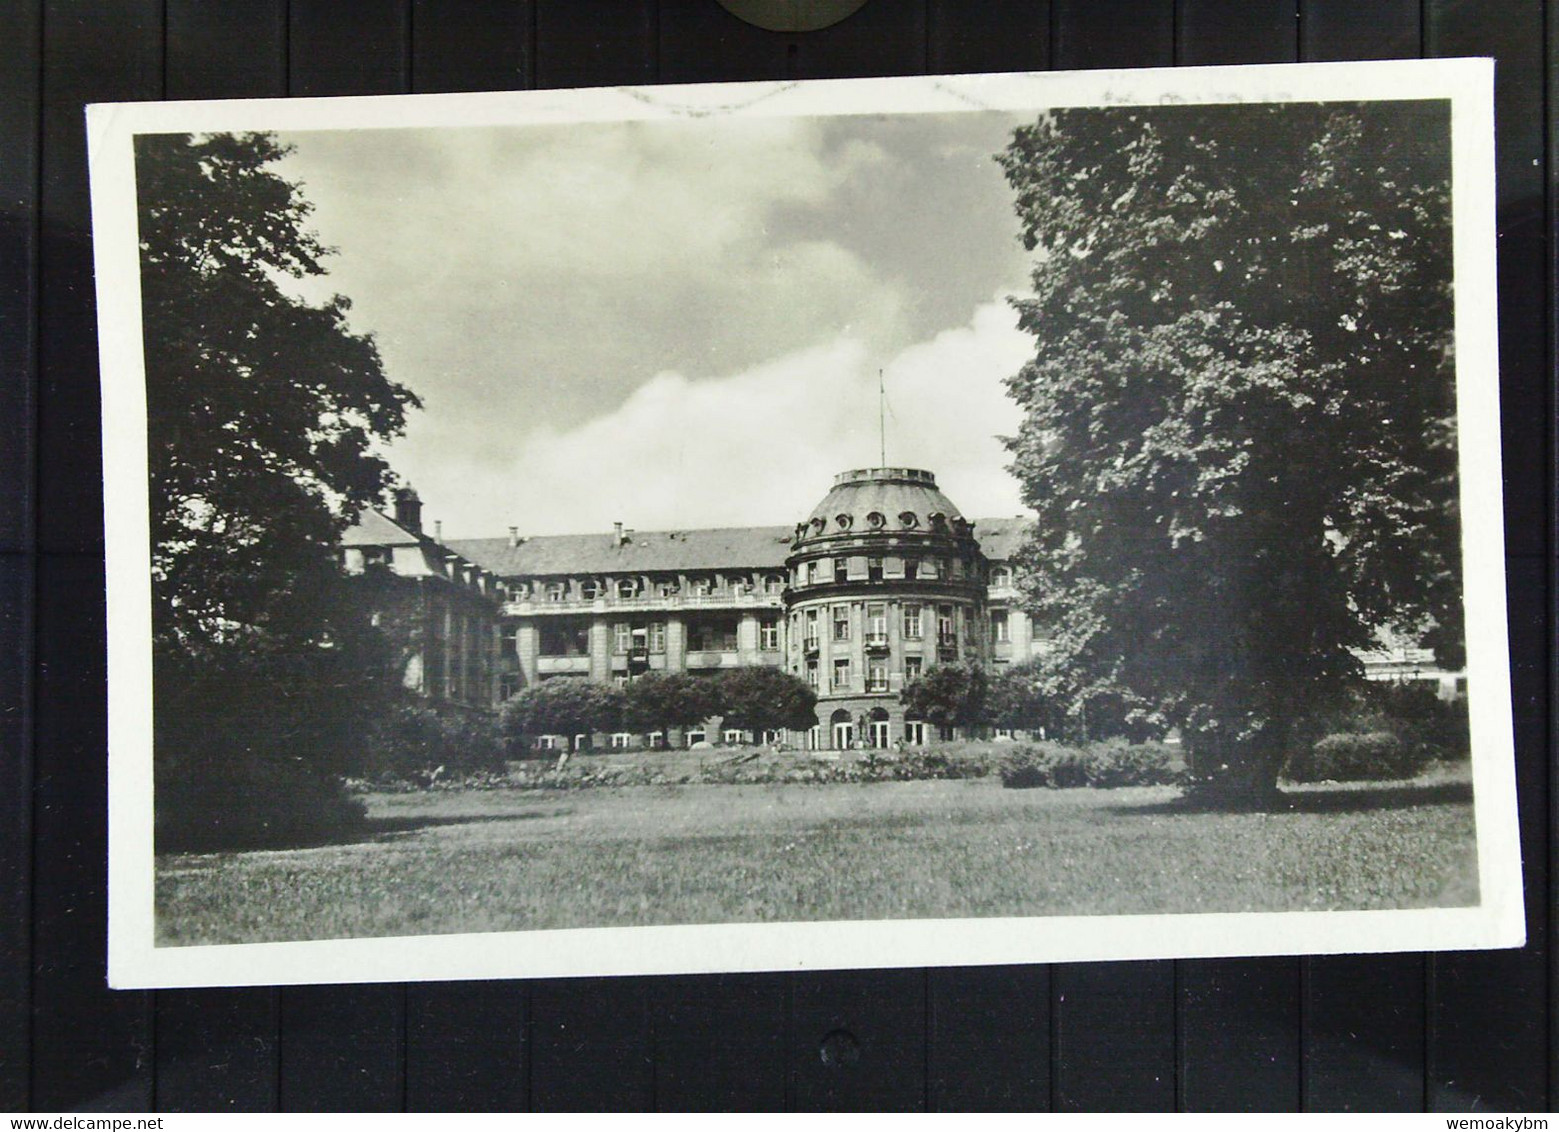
(589, 589)
(876, 520)
(908, 519)
(1001, 576)
(702, 587)
(557, 591)
(844, 521)
(938, 520)
(818, 525)
(627, 588)
(773, 583)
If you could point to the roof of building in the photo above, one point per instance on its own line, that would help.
(375, 529)
(645, 552)
(999, 538)
(649, 552)
(900, 499)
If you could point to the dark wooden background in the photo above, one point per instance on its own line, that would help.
(1454, 1031)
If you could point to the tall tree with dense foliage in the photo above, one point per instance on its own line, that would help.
(263, 414)
(1239, 420)
(661, 701)
(765, 699)
(564, 705)
(948, 695)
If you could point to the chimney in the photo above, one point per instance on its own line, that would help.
(617, 534)
(408, 510)
(514, 536)
(438, 530)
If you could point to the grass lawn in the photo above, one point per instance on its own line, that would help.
(505, 860)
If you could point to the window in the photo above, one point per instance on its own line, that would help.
(508, 685)
(876, 624)
(657, 740)
(565, 640)
(914, 733)
(842, 673)
(665, 589)
(773, 583)
(509, 644)
(841, 570)
(946, 633)
(620, 679)
(589, 589)
(913, 622)
(874, 569)
(999, 627)
(812, 573)
(622, 633)
(657, 636)
(627, 588)
(621, 740)
(712, 635)
(557, 591)
(841, 622)
(812, 672)
(694, 738)
(732, 736)
(912, 667)
(702, 587)
(911, 568)
(877, 676)
(768, 634)
(809, 638)
(1001, 577)
(928, 569)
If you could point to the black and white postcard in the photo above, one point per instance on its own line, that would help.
(934, 521)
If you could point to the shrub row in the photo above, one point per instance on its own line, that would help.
(1107, 764)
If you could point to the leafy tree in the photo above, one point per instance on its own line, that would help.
(948, 695)
(1239, 420)
(660, 701)
(766, 699)
(567, 705)
(263, 411)
(262, 416)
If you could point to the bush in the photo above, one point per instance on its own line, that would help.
(417, 741)
(250, 799)
(1105, 765)
(1358, 756)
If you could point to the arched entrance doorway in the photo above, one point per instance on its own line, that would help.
(877, 729)
(844, 730)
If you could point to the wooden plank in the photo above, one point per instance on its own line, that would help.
(1239, 1035)
(1114, 1037)
(1489, 1014)
(879, 39)
(342, 1049)
(465, 1047)
(857, 1041)
(237, 49)
(93, 51)
(1331, 30)
(989, 1039)
(358, 48)
(719, 1043)
(595, 42)
(1364, 1034)
(1219, 32)
(217, 1050)
(591, 1047)
(1088, 34)
(21, 30)
(91, 1047)
(471, 45)
(999, 35)
(701, 42)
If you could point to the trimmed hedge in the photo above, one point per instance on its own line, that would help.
(1104, 765)
(1357, 757)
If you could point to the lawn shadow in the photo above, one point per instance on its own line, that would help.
(1329, 799)
(374, 829)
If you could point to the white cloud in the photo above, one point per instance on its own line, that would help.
(756, 447)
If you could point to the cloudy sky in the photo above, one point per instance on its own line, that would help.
(679, 324)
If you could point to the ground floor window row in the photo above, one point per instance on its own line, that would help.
(844, 731)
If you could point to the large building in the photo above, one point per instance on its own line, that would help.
(882, 580)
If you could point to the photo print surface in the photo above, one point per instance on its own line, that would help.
(867, 523)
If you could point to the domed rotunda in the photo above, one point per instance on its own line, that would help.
(886, 579)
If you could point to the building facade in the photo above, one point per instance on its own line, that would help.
(882, 580)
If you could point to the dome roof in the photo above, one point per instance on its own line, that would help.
(889, 500)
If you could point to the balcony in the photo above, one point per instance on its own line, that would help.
(877, 642)
(811, 644)
(552, 665)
